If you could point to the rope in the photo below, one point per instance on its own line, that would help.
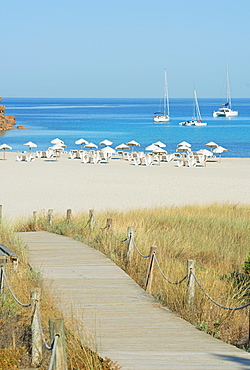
(41, 328)
(119, 240)
(164, 276)
(13, 295)
(139, 251)
(211, 299)
(101, 228)
(54, 344)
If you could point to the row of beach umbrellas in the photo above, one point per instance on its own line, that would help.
(157, 147)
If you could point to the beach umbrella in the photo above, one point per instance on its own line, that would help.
(108, 150)
(159, 150)
(57, 148)
(205, 152)
(30, 144)
(133, 143)
(184, 143)
(183, 148)
(211, 145)
(152, 147)
(122, 147)
(81, 142)
(4, 147)
(160, 144)
(91, 146)
(57, 141)
(219, 150)
(106, 142)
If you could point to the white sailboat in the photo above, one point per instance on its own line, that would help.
(226, 109)
(196, 120)
(164, 116)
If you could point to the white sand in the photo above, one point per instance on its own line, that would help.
(43, 184)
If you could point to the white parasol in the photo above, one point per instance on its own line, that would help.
(81, 142)
(108, 150)
(133, 143)
(30, 144)
(184, 143)
(4, 147)
(57, 141)
(106, 142)
(219, 150)
(160, 144)
(211, 145)
(91, 146)
(151, 147)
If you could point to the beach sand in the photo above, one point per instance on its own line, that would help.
(119, 185)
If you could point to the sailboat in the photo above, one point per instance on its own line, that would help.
(196, 120)
(226, 109)
(163, 116)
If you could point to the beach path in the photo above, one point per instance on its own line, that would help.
(129, 325)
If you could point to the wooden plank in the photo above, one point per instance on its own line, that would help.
(128, 325)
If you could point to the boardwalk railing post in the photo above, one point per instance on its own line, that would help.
(56, 327)
(109, 224)
(68, 215)
(190, 283)
(91, 219)
(50, 216)
(149, 276)
(36, 350)
(130, 243)
(2, 267)
(34, 219)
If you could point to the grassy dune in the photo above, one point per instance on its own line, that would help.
(15, 320)
(216, 236)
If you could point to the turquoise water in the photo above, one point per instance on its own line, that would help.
(122, 120)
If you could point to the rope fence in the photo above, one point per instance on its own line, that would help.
(58, 350)
(131, 246)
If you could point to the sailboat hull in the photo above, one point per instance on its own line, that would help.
(225, 112)
(161, 118)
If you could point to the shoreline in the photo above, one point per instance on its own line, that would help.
(69, 184)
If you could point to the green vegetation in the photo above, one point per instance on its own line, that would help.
(216, 236)
(15, 320)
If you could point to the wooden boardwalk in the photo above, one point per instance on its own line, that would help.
(130, 327)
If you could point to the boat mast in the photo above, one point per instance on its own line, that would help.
(198, 113)
(166, 99)
(228, 91)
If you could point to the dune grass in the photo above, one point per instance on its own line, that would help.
(15, 320)
(216, 236)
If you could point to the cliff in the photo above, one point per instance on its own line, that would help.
(6, 122)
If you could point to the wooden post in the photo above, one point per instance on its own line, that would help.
(69, 214)
(109, 224)
(14, 263)
(56, 327)
(130, 243)
(34, 219)
(91, 219)
(1, 213)
(190, 283)
(2, 266)
(36, 350)
(50, 216)
(149, 276)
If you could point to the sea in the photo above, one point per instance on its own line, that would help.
(121, 120)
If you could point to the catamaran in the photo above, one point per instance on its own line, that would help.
(196, 120)
(163, 116)
(226, 109)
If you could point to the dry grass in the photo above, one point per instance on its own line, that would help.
(216, 236)
(15, 320)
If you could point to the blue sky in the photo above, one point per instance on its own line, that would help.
(119, 48)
